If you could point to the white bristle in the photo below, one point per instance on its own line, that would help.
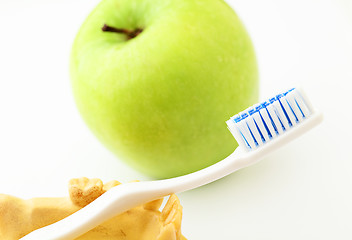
(245, 133)
(290, 97)
(302, 104)
(264, 113)
(277, 124)
(288, 111)
(263, 122)
(259, 122)
(281, 115)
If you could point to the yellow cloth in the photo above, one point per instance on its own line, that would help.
(19, 217)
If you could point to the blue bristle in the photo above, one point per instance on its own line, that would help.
(237, 119)
(257, 108)
(294, 114)
(244, 116)
(255, 140)
(283, 109)
(265, 125)
(278, 117)
(265, 104)
(271, 100)
(260, 132)
(289, 91)
(251, 111)
(244, 138)
(300, 109)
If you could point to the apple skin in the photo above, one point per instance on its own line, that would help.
(159, 101)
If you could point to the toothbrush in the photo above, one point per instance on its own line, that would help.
(259, 130)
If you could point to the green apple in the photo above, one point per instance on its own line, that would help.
(157, 82)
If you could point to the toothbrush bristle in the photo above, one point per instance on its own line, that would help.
(265, 121)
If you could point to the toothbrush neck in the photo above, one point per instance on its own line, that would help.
(233, 162)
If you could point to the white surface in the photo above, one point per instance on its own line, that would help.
(303, 191)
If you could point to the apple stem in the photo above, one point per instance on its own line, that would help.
(130, 34)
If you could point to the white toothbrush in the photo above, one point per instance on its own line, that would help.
(259, 130)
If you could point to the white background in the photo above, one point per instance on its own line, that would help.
(303, 191)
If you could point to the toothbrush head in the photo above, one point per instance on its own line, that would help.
(264, 122)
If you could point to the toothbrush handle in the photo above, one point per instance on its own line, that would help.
(115, 201)
(126, 196)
